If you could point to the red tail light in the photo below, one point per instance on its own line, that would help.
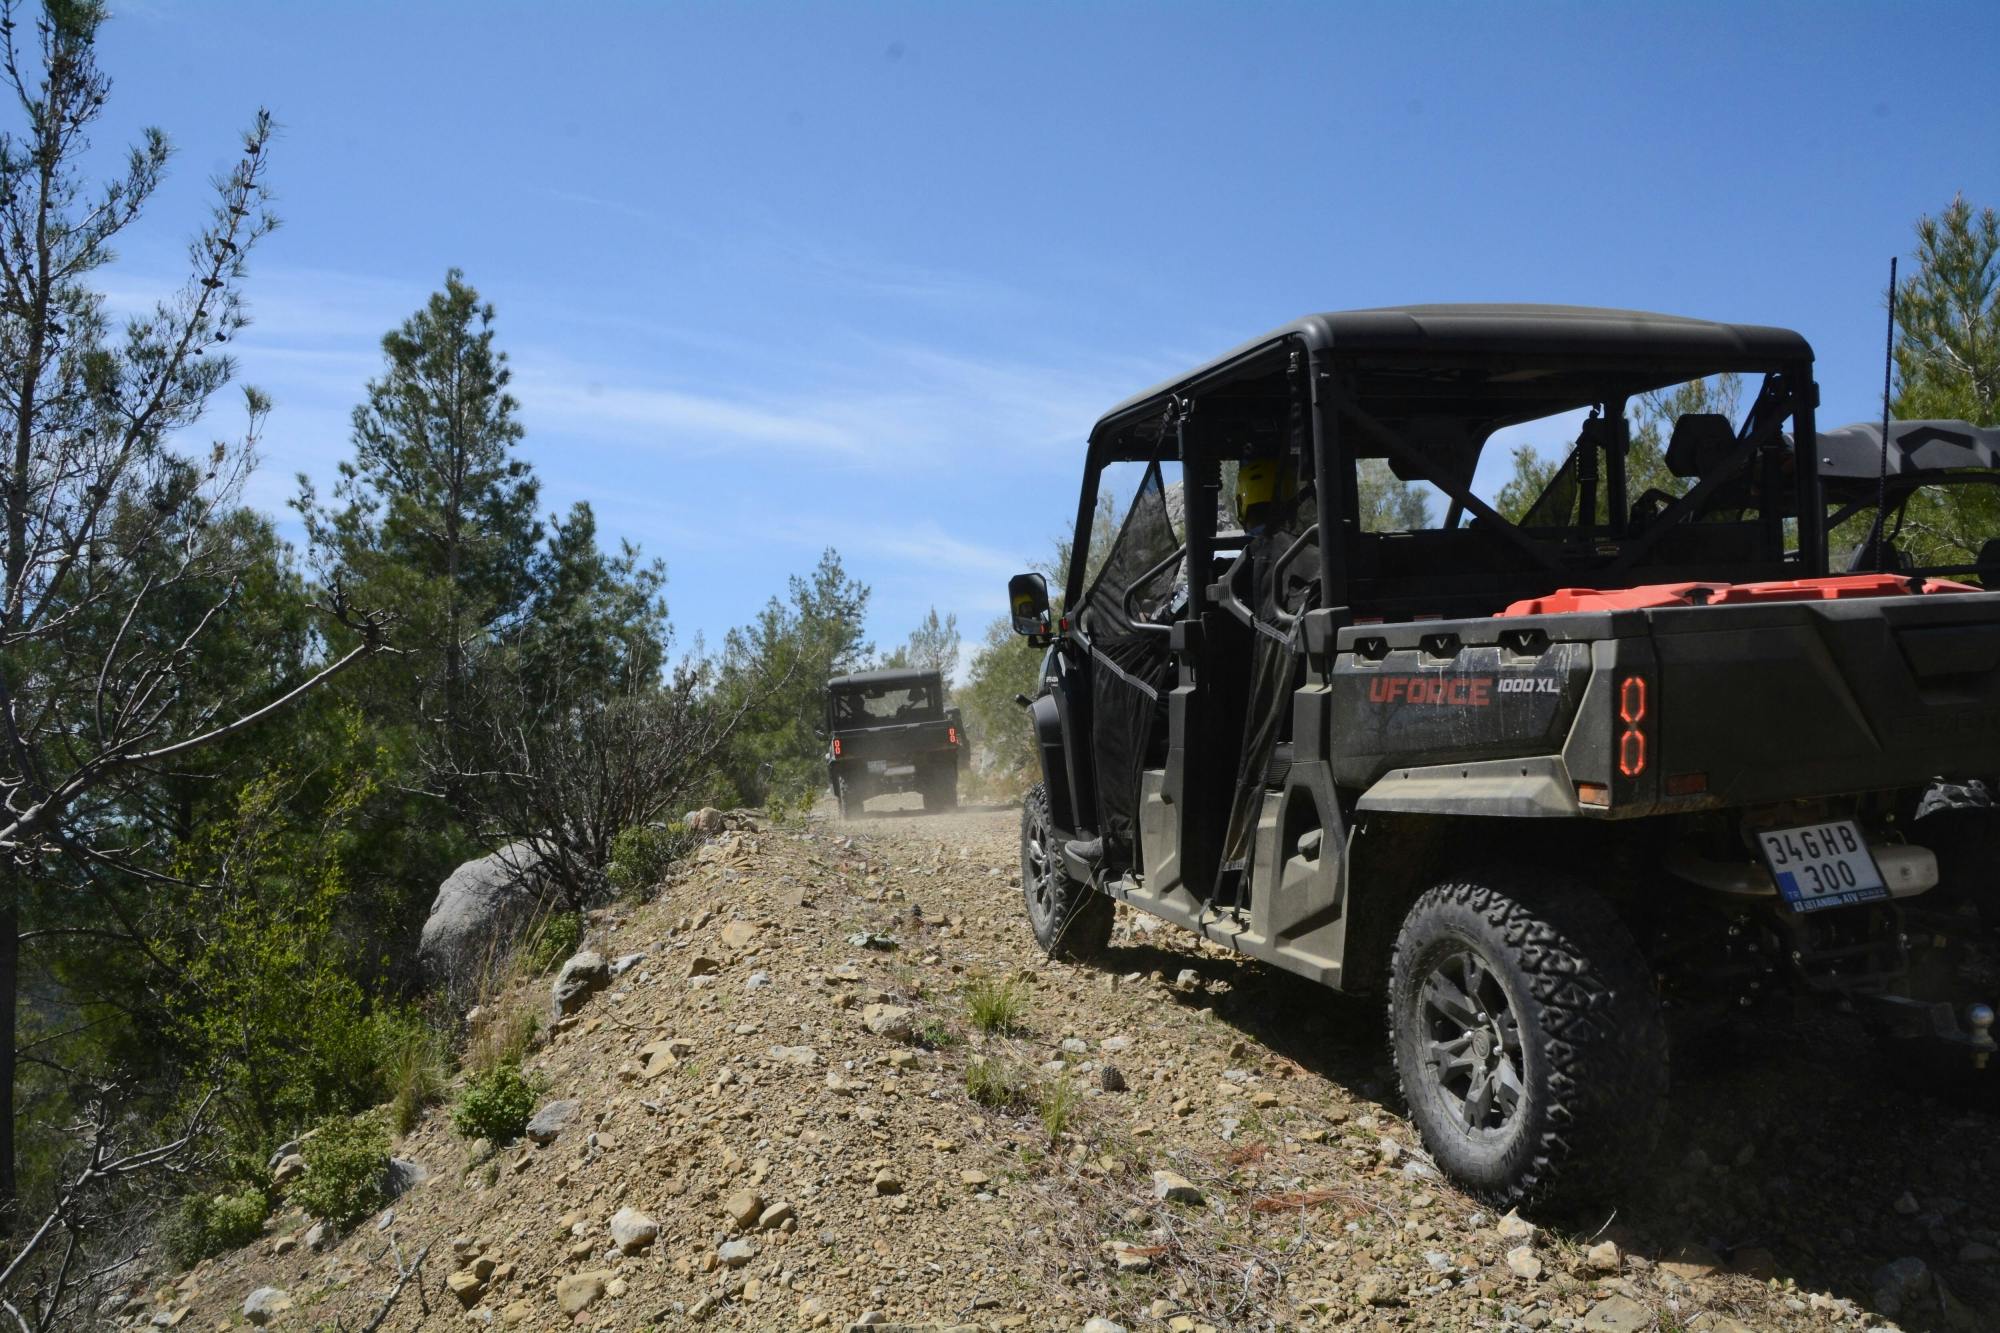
(836, 747)
(1632, 717)
(951, 734)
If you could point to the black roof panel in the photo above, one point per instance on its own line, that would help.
(1513, 329)
(886, 676)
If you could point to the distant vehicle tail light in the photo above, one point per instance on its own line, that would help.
(951, 735)
(836, 747)
(1632, 723)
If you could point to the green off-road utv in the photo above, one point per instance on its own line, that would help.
(1536, 783)
(889, 731)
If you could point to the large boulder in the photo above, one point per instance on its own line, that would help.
(263, 1305)
(478, 912)
(550, 1120)
(400, 1176)
(581, 977)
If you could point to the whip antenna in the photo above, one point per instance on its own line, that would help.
(1876, 537)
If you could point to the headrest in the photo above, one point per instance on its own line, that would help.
(1989, 559)
(1699, 442)
(1893, 560)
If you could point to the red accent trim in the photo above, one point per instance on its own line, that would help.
(1632, 753)
(1632, 700)
(1828, 589)
(1632, 712)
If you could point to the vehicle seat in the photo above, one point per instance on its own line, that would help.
(1989, 564)
(1864, 560)
(1699, 442)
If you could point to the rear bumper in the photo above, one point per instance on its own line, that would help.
(904, 773)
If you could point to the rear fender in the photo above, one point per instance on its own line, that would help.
(1392, 858)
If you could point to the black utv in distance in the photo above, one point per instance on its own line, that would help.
(889, 731)
(1534, 782)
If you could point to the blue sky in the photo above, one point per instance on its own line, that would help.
(777, 277)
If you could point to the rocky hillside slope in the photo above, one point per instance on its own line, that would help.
(765, 1121)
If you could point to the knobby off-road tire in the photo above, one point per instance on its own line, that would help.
(1954, 940)
(941, 791)
(1959, 822)
(850, 799)
(1528, 1039)
(1071, 921)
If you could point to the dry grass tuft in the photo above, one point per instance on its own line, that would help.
(995, 1084)
(996, 1006)
(509, 1013)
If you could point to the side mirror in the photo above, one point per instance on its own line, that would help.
(1028, 595)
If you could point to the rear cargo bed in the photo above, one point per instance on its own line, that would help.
(1740, 704)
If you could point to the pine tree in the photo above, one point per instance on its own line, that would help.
(596, 621)
(437, 522)
(1948, 365)
(775, 671)
(933, 646)
(1948, 319)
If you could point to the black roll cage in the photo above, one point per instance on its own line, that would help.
(1316, 368)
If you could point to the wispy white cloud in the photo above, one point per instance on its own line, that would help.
(599, 203)
(874, 404)
(590, 401)
(913, 567)
(925, 544)
(778, 238)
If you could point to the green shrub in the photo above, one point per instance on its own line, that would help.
(996, 1006)
(494, 1105)
(936, 1035)
(998, 1086)
(345, 1158)
(642, 856)
(207, 1225)
(789, 807)
(267, 994)
(555, 942)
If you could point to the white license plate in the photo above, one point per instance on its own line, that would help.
(1823, 865)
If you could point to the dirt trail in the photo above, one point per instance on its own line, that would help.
(1298, 1196)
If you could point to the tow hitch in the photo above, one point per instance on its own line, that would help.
(1939, 1021)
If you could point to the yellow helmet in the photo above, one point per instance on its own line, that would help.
(1260, 481)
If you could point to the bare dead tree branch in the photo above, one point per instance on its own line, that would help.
(568, 770)
(104, 1164)
(404, 1276)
